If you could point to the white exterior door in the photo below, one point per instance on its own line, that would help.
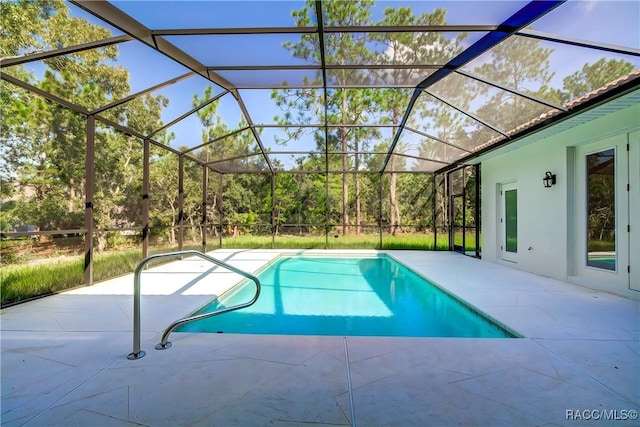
(634, 210)
(602, 213)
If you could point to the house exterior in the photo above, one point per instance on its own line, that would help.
(585, 228)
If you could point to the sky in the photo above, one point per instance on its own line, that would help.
(613, 22)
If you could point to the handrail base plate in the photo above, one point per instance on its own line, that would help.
(163, 346)
(136, 356)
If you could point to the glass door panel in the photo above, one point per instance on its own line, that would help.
(509, 222)
(471, 217)
(601, 214)
(603, 220)
(457, 214)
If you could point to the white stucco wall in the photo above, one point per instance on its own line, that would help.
(545, 215)
(542, 212)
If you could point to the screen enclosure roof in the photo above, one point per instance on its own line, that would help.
(335, 86)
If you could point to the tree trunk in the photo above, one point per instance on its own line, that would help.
(445, 219)
(345, 184)
(172, 230)
(213, 208)
(72, 194)
(102, 241)
(194, 231)
(394, 209)
(357, 179)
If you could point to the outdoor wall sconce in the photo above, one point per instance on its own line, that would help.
(549, 179)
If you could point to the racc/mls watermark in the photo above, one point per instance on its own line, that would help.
(601, 414)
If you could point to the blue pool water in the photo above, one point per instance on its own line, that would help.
(374, 296)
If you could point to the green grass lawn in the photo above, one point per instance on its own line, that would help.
(336, 241)
(20, 282)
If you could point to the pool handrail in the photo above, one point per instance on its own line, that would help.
(137, 353)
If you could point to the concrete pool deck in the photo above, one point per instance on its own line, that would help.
(63, 359)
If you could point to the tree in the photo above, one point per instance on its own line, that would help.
(344, 106)
(26, 130)
(44, 143)
(517, 63)
(21, 21)
(410, 48)
(192, 201)
(163, 181)
(26, 140)
(241, 204)
(593, 76)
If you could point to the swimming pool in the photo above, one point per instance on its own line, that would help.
(370, 296)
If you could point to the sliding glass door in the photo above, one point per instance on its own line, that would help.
(600, 218)
(464, 210)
